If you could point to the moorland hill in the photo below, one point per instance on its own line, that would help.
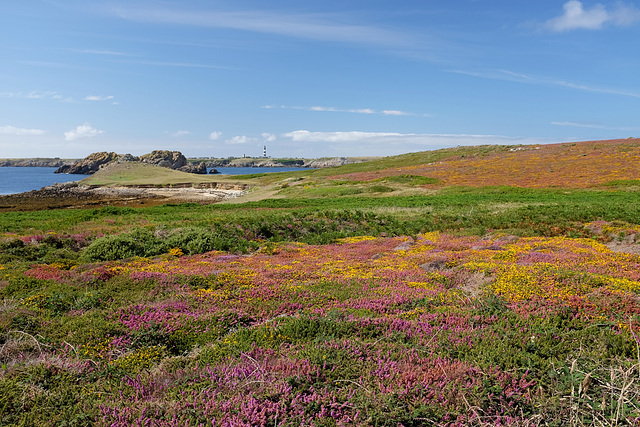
(571, 165)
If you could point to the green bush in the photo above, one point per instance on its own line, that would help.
(201, 240)
(139, 242)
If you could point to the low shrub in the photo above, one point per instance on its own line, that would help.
(200, 240)
(140, 242)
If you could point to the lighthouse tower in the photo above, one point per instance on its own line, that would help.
(264, 152)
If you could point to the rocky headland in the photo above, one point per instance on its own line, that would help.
(169, 159)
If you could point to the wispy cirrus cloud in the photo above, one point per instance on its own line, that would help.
(12, 130)
(103, 52)
(544, 81)
(100, 52)
(178, 64)
(396, 113)
(83, 131)
(317, 26)
(576, 17)
(346, 110)
(591, 125)
(36, 95)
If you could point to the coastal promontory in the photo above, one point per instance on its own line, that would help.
(164, 158)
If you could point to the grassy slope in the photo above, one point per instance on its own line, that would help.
(591, 164)
(135, 173)
(569, 165)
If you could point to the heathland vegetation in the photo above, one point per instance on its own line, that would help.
(469, 286)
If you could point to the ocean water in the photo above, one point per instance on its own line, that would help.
(19, 180)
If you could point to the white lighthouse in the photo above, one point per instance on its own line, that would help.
(264, 152)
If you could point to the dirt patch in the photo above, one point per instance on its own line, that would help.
(475, 282)
(438, 265)
(624, 247)
(471, 285)
(404, 246)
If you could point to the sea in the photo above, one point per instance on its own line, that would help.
(21, 179)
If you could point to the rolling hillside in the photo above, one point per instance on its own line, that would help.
(572, 165)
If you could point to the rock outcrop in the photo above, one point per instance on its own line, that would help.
(173, 160)
(168, 159)
(165, 158)
(199, 168)
(89, 164)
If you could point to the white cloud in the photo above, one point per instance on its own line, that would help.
(335, 110)
(98, 98)
(576, 17)
(316, 108)
(12, 130)
(347, 110)
(180, 133)
(239, 140)
(214, 136)
(395, 113)
(82, 131)
(268, 137)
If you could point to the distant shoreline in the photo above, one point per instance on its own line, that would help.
(246, 162)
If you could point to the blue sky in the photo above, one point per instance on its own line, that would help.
(312, 79)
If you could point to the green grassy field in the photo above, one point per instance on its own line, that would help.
(389, 301)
